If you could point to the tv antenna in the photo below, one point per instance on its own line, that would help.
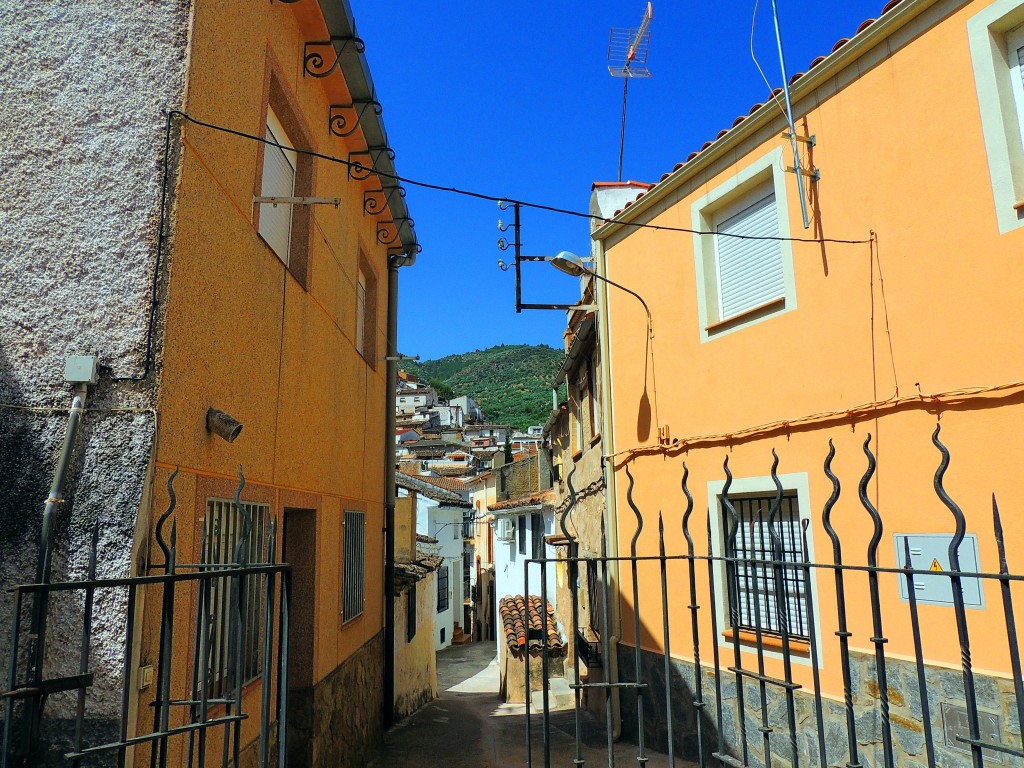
(627, 58)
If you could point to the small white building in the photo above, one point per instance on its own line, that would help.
(469, 407)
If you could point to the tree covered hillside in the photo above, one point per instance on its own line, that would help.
(510, 382)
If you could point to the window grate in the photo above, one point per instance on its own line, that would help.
(222, 534)
(752, 588)
(353, 587)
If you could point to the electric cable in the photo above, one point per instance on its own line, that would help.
(508, 200)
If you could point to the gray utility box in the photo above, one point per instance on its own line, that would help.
(930, 552)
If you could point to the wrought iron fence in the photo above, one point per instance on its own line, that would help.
(237, 631)
(737, 710)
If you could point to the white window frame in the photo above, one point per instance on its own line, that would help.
(271, 215)
(997, 77)
(760, 486)
(725, 200)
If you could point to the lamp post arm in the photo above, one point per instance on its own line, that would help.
(650, 324)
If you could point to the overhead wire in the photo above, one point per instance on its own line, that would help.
(504, 199)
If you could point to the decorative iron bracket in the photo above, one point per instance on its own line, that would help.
(376, 201)
(387, 232)
(358, 170)
(313, 59)
(339, 119)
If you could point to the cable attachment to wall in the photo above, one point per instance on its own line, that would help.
(376, 201)
(362, 164)
(313, 57)
(344, 119)
(810, 141)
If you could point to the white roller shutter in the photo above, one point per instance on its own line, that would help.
(749, 271)
(278, 181)
(1015, 42)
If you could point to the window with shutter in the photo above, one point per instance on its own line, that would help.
(749, 270)
(1015, 44)
(278, 181)
(742, 258)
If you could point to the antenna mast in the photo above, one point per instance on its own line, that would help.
(627, 58)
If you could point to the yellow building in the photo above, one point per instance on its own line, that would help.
(277, 315)
(891, 313)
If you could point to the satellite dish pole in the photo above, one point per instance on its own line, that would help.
(627, 58)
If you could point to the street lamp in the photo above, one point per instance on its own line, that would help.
(571, 264)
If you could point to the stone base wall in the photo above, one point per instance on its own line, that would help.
(513, 673)
(944, 686)
(339, 722)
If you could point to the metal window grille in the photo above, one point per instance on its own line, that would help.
(442, 589)
(537, 531)
(222, 535)
(355, 565)
(753, 584)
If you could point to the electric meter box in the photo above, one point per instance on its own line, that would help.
(930, 552)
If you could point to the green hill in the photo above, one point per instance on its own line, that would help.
(510, 382)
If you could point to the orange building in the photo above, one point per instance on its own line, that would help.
(891, 313)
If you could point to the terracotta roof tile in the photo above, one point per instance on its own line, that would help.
(529, 500)
(448, 483)
(513, 613)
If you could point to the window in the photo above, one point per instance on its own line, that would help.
(355, 565)
(996, 37)
(366, 315)
(442, 590)
(744, 274)
(537, 529)
(522, 534)
(752, 587)
(749, 271)
(278, 181)
(282, 172)
(410, 613)
(222, 535)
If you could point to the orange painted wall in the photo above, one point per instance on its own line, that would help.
(930, 307)
(243, 335)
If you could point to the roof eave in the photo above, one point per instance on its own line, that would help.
(341, 23)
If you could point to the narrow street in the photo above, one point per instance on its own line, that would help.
(470, 726)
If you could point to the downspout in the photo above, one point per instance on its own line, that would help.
(390, 453)
(611, 521)
(44, 562)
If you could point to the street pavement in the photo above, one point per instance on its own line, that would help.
(469, 725)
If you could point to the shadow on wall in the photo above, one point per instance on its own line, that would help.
(30, 442)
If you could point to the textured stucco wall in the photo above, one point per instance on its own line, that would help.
(82, 137)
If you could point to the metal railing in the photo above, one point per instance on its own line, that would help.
(738, 710)
(201, 663)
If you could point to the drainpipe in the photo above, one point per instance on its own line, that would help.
(44, 563)
(611, 521)
(390, 453)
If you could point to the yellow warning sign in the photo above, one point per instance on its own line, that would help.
(935, 566)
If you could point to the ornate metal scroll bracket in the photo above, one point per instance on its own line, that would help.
(376, 201)
(313, 59)
(358, 170)
(344, 119)
(387, 232)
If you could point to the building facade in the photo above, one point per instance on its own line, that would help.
(203, 269)
(863, 330)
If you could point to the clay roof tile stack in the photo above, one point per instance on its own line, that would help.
(513, 618)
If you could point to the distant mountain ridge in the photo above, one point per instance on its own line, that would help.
(510, 382)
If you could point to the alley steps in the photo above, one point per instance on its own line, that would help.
(459, 637)
(560, 696)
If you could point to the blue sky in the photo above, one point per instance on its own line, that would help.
(514, 99)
